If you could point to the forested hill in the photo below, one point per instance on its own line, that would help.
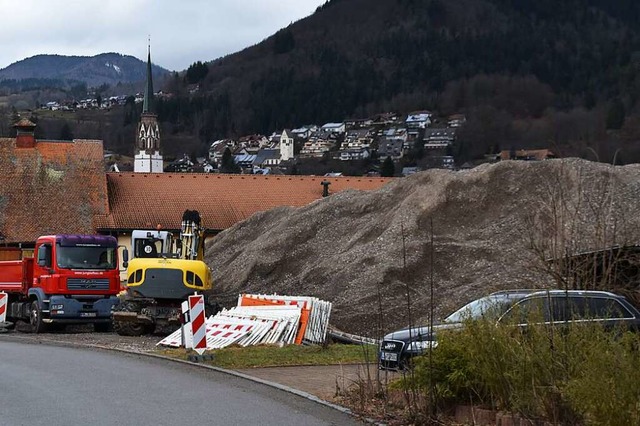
(61, 71)
(526, 72)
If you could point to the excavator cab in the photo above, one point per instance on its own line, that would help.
(151, 244)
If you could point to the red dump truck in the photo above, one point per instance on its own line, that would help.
(71, 279)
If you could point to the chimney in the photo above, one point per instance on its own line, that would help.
(325, 189)
(25, 137)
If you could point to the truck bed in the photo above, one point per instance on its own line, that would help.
(16, 276)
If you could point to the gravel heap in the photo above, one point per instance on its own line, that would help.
(369, 252)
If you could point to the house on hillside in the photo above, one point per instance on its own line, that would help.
(304, 132)
(267, 157)
(439, 162)
(357, 139)
(391, 148)
(439, 138)
(320, 142)
(217, 148)
(180, 165)
(527, 154)
(354, 154)
(357, 123)
(385, 119)
(456, 120)
(418, 120)
(253, 143)
(334, 128)
(245, 161)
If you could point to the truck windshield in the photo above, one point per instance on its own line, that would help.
(86, 257)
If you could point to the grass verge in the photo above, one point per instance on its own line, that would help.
(274, 356)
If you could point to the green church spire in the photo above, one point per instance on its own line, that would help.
(147, 106)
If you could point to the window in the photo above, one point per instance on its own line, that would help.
(44, 255)
(605, 308)
(535, 309)
(194, 279)
(147, 247)
(135, 276)
(570, 308)
(567, 308)
(85, 257)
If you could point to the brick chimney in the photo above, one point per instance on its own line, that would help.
(25, 137)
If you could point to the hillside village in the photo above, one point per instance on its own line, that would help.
(380, 137)
(410, 143)
(414, 142)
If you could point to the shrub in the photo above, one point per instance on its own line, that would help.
(570, 374)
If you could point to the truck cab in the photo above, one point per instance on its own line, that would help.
(70, 279)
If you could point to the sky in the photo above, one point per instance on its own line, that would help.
(181, 31)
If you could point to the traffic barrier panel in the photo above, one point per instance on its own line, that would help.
(314, 321)
(262, 319)
(198, 323)
(3, 306)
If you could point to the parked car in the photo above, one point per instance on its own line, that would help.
(556, 307)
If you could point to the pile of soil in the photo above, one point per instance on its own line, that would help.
(377, 255)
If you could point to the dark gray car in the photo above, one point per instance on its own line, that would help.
(556, 306)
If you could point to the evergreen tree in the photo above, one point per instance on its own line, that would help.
(227, 164)
(65, 133)
(615, 114)
(196, 72)
(388, 169)
(283, 41)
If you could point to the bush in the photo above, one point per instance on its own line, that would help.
(568, 375)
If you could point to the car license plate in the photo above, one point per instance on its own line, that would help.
(87, 314)
(389, 356)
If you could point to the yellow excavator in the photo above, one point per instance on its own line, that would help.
(161, 274)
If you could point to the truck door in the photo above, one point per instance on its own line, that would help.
(43, 268)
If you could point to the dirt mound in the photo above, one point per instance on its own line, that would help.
(370, 252)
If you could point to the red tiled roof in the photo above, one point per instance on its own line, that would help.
(24, 123)
(56, 187)
(142, 201)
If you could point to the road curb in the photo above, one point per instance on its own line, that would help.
(234, 373)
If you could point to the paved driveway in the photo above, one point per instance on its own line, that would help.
(324, 381)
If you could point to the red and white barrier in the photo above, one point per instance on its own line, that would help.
(3, 306)
(198, 325)
(314, 321)
(258, 319)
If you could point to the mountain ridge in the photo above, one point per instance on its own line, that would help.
(108, 68)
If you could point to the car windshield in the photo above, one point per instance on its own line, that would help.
(490, 307)
(86, 257)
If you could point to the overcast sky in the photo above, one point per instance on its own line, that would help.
(182, 31)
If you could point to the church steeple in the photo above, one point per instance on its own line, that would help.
(148, 158)
(147, 105)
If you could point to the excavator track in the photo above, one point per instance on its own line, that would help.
(130, 328)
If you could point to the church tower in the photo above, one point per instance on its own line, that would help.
(148, 158)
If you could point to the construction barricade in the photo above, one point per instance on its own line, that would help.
(263, 319)
(3, 306)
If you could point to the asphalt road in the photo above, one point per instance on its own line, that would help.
(51, 385)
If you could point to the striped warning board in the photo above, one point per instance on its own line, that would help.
(198, 326)
(3, 306)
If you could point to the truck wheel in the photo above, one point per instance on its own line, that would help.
(35, 318)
